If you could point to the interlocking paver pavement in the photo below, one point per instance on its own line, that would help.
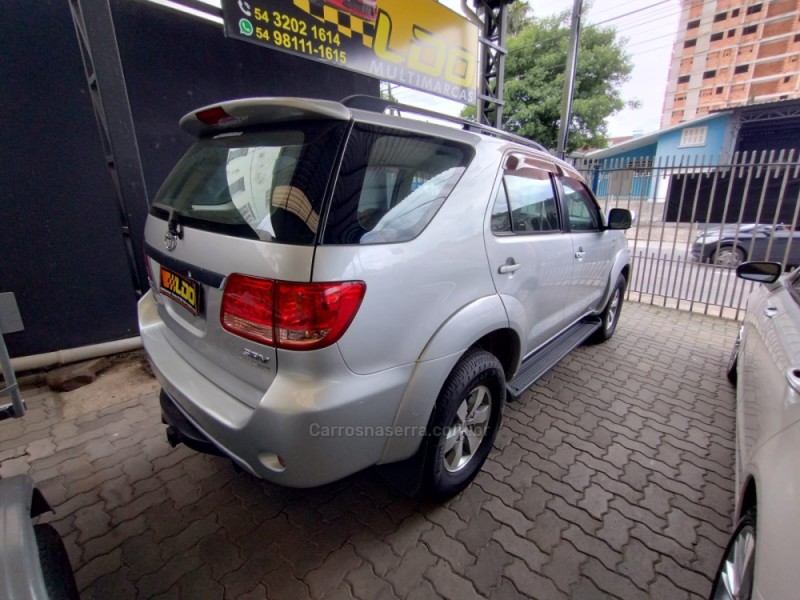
(611, 478)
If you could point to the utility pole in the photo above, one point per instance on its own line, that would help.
(569, 83)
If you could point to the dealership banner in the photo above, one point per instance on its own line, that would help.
(416, 43)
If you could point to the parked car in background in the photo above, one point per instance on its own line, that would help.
(333, 287)
(761, 558)
(731, 245)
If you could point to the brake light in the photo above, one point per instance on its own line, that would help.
(214, 116)
(295, 316)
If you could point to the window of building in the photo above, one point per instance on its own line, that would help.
(715, 37)
(683, 79)
(756, 8)
(787, 79)
(797, 37)
(727, 52)
(680, 97)
(710, 74)
(690, 43)
(694, 136)
(741, 69)
(677, 114)
(720, 16)
(735, 13)
(749, 29)
(731, 32)
(720, 90)
(693, 24)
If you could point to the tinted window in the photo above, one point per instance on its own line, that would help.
(391, 184)
(267, 185)
(533, 203)
(581, 208)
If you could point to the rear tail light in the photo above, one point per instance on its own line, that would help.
(215, 115)
(295, 316)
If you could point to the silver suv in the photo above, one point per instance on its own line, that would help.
(333, 287)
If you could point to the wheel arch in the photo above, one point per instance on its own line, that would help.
(749, 499)
(483, 324)
(505, 345)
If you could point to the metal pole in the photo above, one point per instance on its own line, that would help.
(17, 405)
(569, 83)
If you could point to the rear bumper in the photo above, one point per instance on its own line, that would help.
(305, 431)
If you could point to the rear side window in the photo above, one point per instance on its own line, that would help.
(268, 185)
(390, 185)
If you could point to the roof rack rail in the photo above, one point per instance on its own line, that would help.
(379, 105)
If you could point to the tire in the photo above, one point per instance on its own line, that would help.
(463, 425)
(737, 560)
(733, 361)
(728, 256)
(610, 314)
(59, 579)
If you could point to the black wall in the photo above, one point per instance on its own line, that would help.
(61, 250)
(740, 193)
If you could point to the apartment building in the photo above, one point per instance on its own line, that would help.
(730, 53)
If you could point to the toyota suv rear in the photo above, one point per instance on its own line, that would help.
(333, 287)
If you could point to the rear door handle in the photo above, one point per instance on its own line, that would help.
(770, 312)
(509, 267)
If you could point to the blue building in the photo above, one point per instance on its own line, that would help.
(638, 168)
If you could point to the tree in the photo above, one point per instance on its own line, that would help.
(535, 73)
(519, 15)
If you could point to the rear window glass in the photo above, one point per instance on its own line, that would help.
(391, 184)
(268, 185)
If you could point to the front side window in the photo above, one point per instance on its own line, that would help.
(581, 208)
(267, 185)
(391, 184)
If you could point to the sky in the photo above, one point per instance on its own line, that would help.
(650, 33)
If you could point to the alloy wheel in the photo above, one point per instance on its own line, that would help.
(613, 309)
(469, 427)
(736, 572)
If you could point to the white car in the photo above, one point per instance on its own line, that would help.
(761, 558)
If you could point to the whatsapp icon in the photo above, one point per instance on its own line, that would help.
(245, 27)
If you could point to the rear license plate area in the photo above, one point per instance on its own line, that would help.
(182, 290)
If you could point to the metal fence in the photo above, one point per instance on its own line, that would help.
(696, 219)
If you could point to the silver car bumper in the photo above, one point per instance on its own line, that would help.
(305, 431)
(21, 576)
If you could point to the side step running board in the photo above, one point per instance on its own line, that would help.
(550, 355)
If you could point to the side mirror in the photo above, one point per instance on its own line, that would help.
(760, 272)
(619, 218)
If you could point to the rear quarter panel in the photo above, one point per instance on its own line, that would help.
(414, 287)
